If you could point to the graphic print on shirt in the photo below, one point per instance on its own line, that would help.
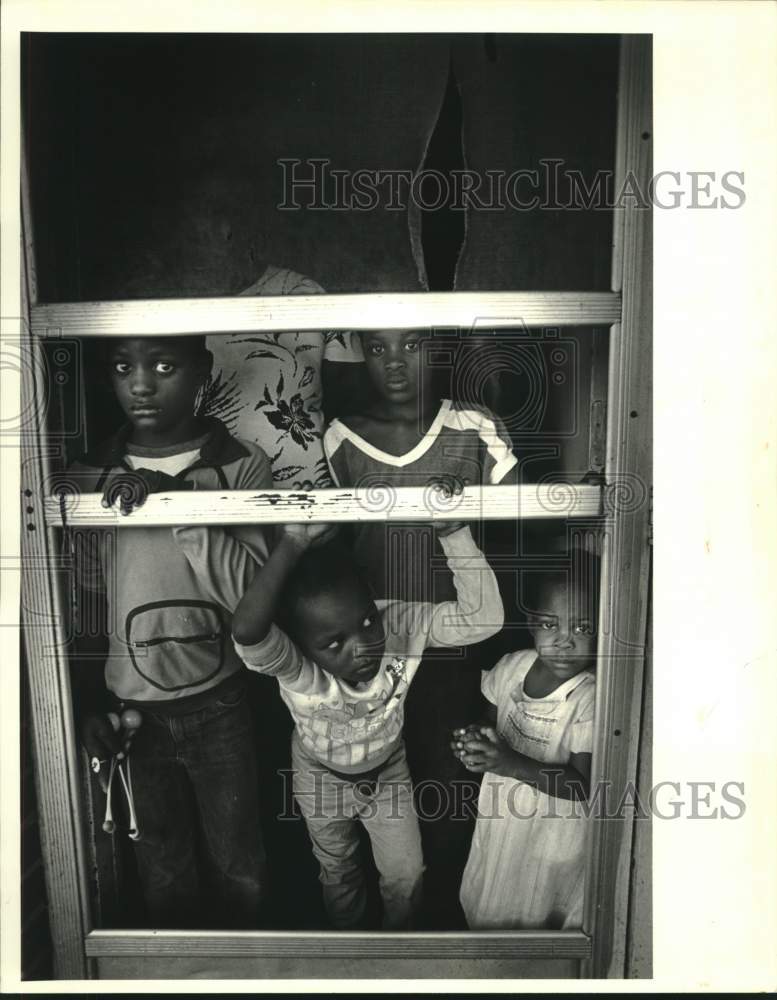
(351, 721)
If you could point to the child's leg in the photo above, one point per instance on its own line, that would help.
(217, 746)
(329, 807)
(389, 818)
(165, 811)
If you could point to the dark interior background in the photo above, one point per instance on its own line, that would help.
(154, 158)
(153, 170)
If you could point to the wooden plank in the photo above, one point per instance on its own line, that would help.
(340, 944)
(639, 953)
(548, 500)
(268, 967)
(626, 561)
(53, 738)
(375, 311)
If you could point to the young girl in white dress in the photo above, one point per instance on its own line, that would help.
(526, 862)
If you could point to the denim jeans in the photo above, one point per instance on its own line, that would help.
(200, 855)
(332, 807)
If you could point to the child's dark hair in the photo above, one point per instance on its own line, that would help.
(321, 568)
(580, 570)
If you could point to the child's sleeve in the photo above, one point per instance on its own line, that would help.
(579, 734)
(491, 681)
(335, 454)
(477, 612)
(497, 460)
(223, 564)
(275, 655)
(85, 543)
(254, 474)
(224, 560)
(85, 553)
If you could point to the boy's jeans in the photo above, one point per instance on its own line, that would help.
(331, 808)
(194, 784)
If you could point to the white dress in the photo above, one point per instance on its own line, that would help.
(526, 863)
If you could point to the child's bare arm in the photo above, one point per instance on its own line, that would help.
(257, 608)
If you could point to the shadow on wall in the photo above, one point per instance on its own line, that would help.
(168, 146)
(174, 148)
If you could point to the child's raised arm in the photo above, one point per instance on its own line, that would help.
(257, 608)
(475, 615)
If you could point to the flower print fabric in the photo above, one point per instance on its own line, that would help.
(266, 387)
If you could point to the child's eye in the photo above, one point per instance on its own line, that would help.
(375, 349)
(411, 346)
(121, 367)
(584, 629)
(164, 368)
(334, 644)
(547, 626)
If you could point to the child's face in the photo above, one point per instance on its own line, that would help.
(393, 360)
(156, 382)
(342, 632)
(563, 630)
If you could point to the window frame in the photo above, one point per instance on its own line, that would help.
(600, 946)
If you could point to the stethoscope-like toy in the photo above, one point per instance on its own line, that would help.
(130, 721)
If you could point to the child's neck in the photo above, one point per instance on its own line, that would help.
(409, 412)
(539, 682)
(187, 430)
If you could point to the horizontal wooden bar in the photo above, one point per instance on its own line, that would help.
(340, 944)
(474, 503)
(375, 311)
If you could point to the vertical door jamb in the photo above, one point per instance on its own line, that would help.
(626, 562)
(43, 631)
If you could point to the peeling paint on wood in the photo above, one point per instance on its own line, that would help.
(405, 504)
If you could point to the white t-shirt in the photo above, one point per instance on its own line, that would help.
(169, 460)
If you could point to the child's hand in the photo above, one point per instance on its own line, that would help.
(480, 748)
(131, 488)
(305, 535)
(101, 741)
(463, 735)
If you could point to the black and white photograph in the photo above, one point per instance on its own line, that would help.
(335, 470)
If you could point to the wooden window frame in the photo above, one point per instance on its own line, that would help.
(600, 946)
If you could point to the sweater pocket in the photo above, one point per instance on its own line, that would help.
(175, 645)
